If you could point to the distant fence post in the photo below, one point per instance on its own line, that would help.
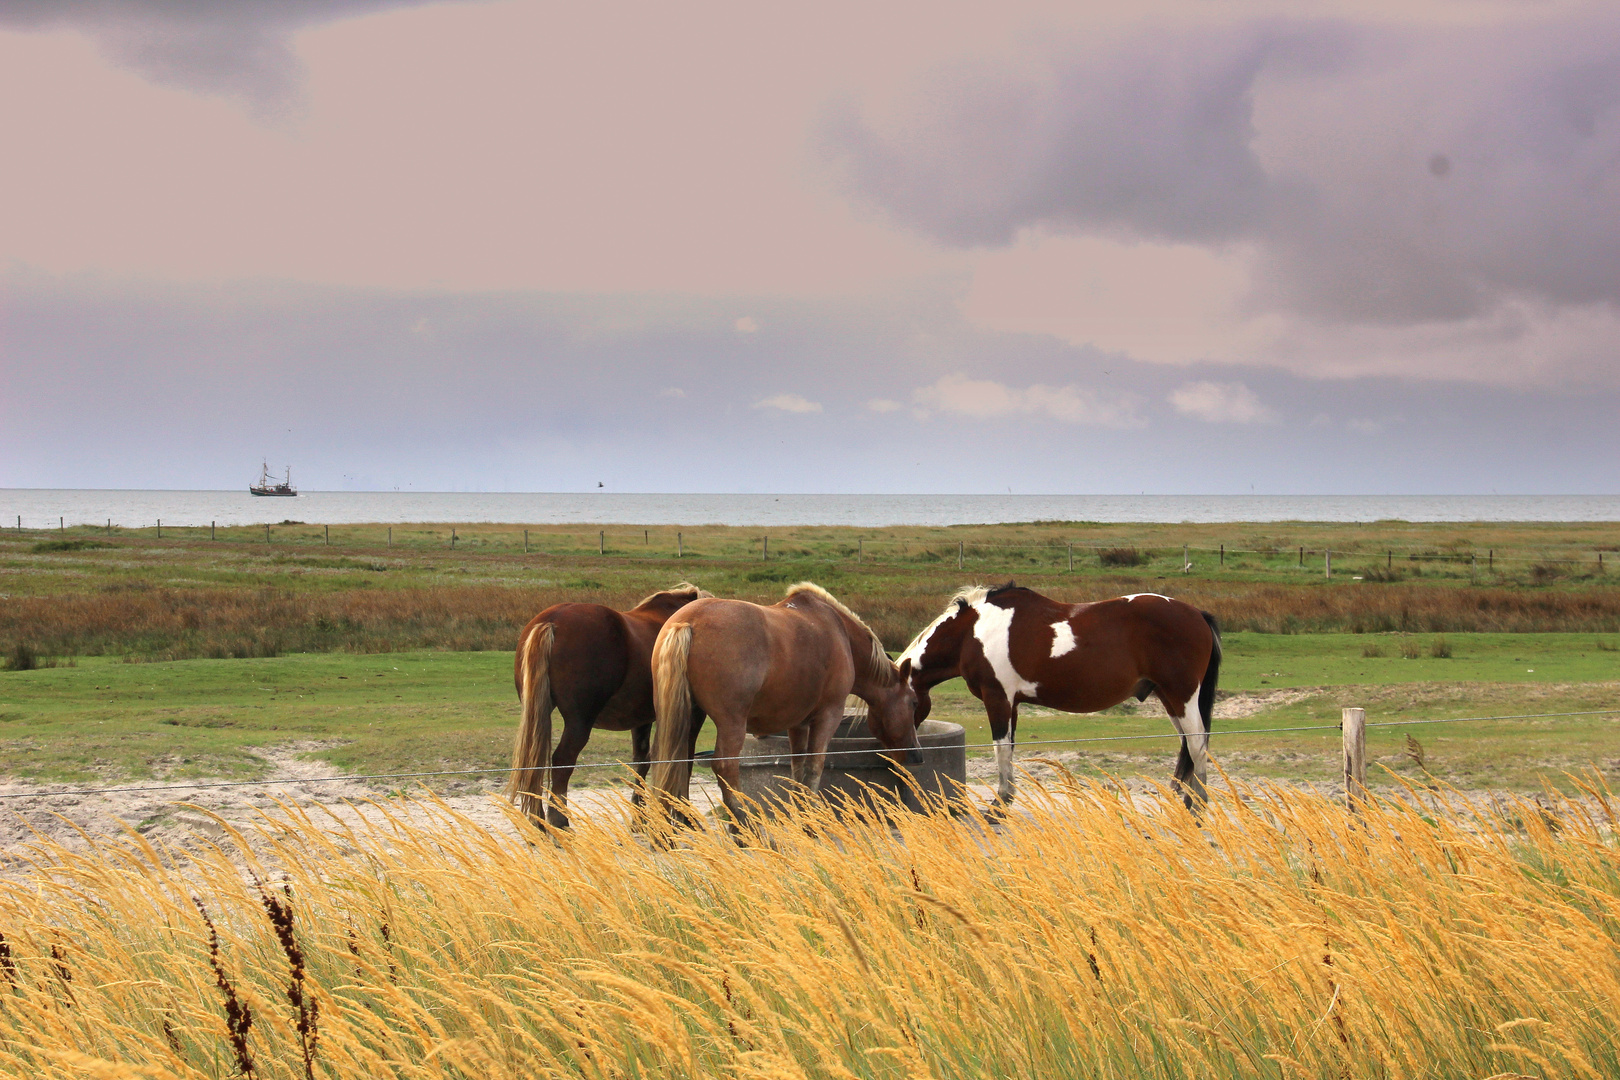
(959, 554)
(211, 525)
(160, 528)
(765, 548)
(678, 545)
(109, 526)
(601, 542)
(860, 551)
(452, 539)
(1301, 556)
(1186, 563)
(1327, 563)
(390, 542)
(267, 534)
(1071, 558)
(61, 524)
(525, 541)
(646, 537)
(1490, 559)
(1354, 725)
(1223, 554)
(328, 535)
(1473, 565)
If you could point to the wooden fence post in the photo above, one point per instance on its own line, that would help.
(267, 534)
(328, 535)
(1327, 563)
(959, 554)
(61, 524)
(160, 528)
(1071, 558)
(525, 541)
(860, 551)
(390, 536)
(1302, 556)
(1186, 563)
(1223, 554)
(765, 548)
(452, 538)
(601, 542)
(1353, 722)
(211, 525)
(677, 545)
(109, 526)
(646, 537)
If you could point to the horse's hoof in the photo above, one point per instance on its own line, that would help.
(998, 811)
(556, 819)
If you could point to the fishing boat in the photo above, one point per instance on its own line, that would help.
(269, 486)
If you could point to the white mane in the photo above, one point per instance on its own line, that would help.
(971, 595)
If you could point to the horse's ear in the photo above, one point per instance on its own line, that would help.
(905, 668)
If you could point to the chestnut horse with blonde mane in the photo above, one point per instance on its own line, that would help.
(760, 670)
(1013, 645)
(594, 665)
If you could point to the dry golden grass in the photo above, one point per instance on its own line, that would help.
(1092, 937)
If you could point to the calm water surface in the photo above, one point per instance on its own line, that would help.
(40, 508)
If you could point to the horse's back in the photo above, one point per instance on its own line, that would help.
(755, 660)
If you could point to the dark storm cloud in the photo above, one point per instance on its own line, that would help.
(230, 48)
(1381, 175)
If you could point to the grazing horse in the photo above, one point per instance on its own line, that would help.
(762, 670)
(1012, 645)
(594, 665)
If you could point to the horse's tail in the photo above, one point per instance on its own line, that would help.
(1212, 674)
(672, 704)
(531, 751)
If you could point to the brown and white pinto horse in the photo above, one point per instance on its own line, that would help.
(762, 670)
(1012, 645)
(594, 665)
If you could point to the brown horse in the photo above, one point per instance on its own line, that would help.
(594, 665)
(763, 670)
(1012, 645)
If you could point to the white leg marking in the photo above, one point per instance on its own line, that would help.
(1004, 769)
(1197, 739)
(994, 631)
(1062, 638)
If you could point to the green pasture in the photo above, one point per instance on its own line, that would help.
(104, 721)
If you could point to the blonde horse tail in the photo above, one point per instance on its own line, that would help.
(531, 751)
(672, 704)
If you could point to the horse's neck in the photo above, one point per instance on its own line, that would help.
(942, 658)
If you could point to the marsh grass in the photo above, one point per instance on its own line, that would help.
(1092, 935)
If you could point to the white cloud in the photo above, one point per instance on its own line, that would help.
(1220, 403)
(883, 405)
(672, 391)
(788, 403)
(985, 398)
(746, 325)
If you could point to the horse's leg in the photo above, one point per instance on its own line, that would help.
(640, 755)
(818, 733)
(575, 734)
(799, 751)
(1192, 763)
(728, 745)
(1003, 727)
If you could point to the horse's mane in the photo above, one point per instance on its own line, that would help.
(683, 587)
(878, 664)
(966, 596)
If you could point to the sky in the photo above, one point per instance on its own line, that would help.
(1165, 247)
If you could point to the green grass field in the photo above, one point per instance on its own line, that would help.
(103, 720)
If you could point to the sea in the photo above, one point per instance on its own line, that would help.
(40, 508)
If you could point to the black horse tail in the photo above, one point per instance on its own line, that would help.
(1212, 674)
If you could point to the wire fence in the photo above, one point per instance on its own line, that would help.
(706, 759)
(1118, 553)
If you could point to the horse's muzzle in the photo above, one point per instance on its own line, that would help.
(914, 756)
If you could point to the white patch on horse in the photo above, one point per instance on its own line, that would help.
(1192, 728)
(1134, 595)
(994, 631)
(1062, 638)
(1004, 769)
(919, 644)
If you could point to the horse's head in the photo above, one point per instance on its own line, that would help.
(935, 654)
(891, 714)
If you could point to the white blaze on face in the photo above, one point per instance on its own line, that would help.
(1062, 638)
(994, 631)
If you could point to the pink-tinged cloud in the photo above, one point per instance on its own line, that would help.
(1220, 403)
(986, 399)
(789, 403)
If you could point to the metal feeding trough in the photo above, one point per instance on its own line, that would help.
(858, 768)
